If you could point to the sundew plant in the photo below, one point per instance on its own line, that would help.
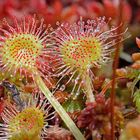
(82, 46)
(22, 47)
(70, 53)
(30, 123)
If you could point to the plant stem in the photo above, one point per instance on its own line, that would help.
(59, 109)
(115, 65)
(88, 88)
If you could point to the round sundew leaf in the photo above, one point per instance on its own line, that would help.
(23, 47)
(81, 53)
(21, 51)
(30, 121)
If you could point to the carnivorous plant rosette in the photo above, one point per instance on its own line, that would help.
(82, 46)
(23, 48)
(30, 123)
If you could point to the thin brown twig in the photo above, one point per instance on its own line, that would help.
(115, 65)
